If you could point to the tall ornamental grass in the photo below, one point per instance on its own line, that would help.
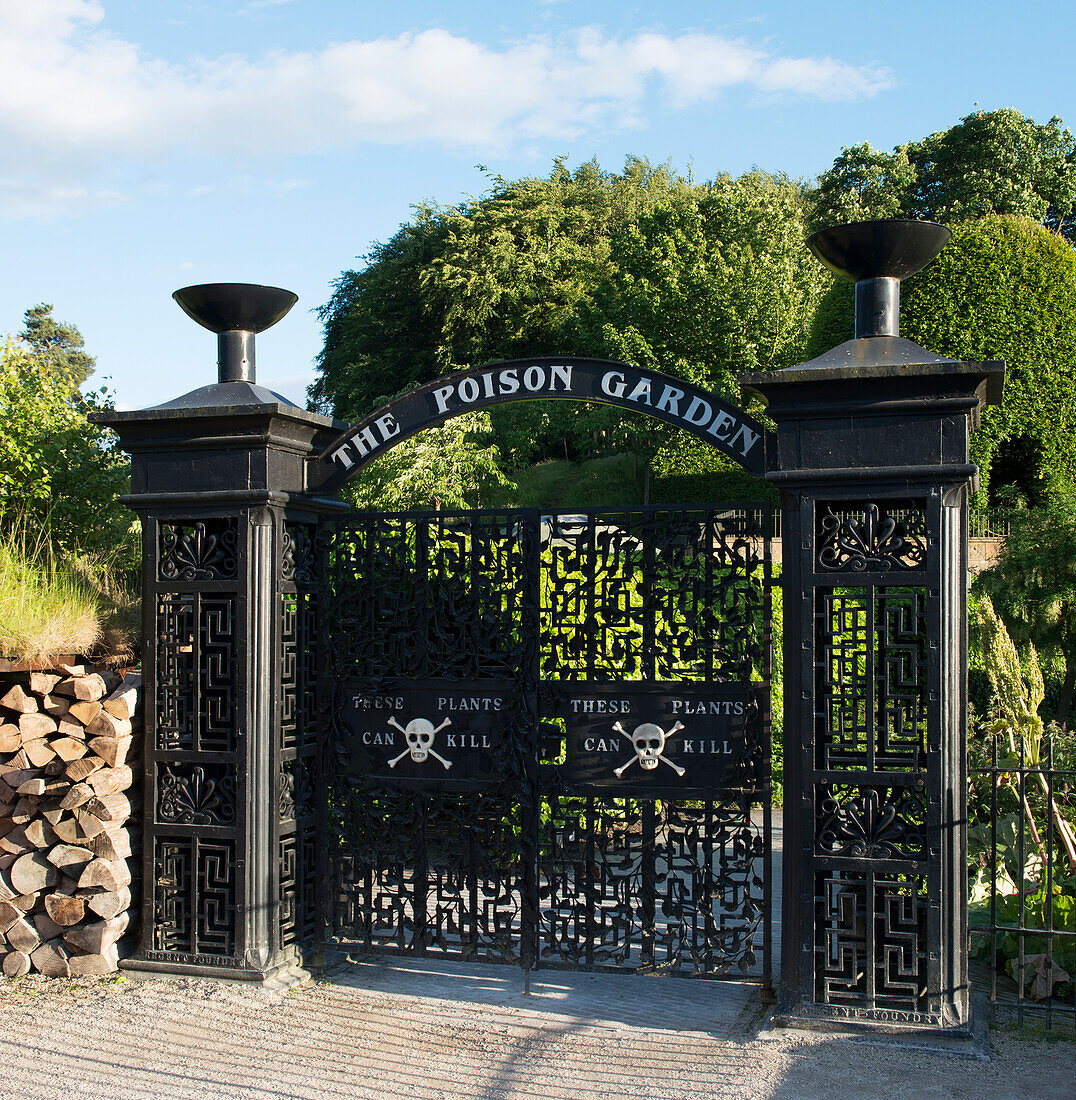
(46, 608)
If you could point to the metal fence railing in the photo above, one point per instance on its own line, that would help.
(987, 523)
(1022, 874)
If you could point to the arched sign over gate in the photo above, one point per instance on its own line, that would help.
(640, 389)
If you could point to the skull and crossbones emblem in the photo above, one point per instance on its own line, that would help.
(648, 740)
(419, 734)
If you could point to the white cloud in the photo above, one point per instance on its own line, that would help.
(30, 195)
(261, 5)
(73, 95)
(822, 77)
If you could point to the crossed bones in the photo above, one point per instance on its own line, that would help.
(419, 733)
(648, 740)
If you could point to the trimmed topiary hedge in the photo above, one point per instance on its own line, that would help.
(1005, 288)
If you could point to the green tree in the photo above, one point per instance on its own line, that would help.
(492, 278)
(714, 281)
(646, 265)
(452, 465)
(991, 162)
(57, 345)
(1033, 585)
(1004, 288)
(59, 474)
(864, 184)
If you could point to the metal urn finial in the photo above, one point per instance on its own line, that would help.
(876, 256)
(235, 312)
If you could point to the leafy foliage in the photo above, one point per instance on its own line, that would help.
(1021, 842)
(991, 162)
(1005, 288)
(686, 469)
(1033, 583)
(58, 472)
(1043, 973)
(448, 466)
(57, 346)
(714, 281)
(611, 481)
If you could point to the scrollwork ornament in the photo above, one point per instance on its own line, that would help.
(865, 538)
(286, 798)
(872, 827)
(299, 555)
(204, 551)
(196, 795)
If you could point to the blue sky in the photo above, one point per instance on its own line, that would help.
(151, 144)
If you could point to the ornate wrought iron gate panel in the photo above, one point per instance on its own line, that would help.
(547, 734)
(872, 757)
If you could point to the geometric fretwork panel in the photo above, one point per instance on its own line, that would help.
(298, 887)
(691, 901)
(196, 671)
(196, 895)
(871, 678)
(288, 862)
(900, 679)
(434, 597)
(298, 703)
(298, 748)
(289, 670)
(870, 940)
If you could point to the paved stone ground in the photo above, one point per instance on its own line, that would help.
(423, 1031)
(426, 1030)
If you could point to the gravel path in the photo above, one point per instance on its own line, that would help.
(415, 1029)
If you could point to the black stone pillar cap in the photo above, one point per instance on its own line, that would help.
(235, 307)
(890, 249)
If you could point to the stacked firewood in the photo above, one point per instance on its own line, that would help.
(67, 745)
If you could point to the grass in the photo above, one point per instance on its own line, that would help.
(53, 605)
(616, 481)
(608, 482)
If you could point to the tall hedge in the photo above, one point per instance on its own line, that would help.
(1004, 288)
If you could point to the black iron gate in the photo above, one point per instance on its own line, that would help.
(549, 737)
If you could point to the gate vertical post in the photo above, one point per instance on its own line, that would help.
(229, 848)
(872, 463)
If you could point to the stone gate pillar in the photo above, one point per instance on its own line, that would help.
(218, 482)
(872, 463)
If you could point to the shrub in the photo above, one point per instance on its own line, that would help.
(58, 472)
(1005, 288)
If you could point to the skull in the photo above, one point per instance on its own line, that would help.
(419, 734)
(649, 741)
